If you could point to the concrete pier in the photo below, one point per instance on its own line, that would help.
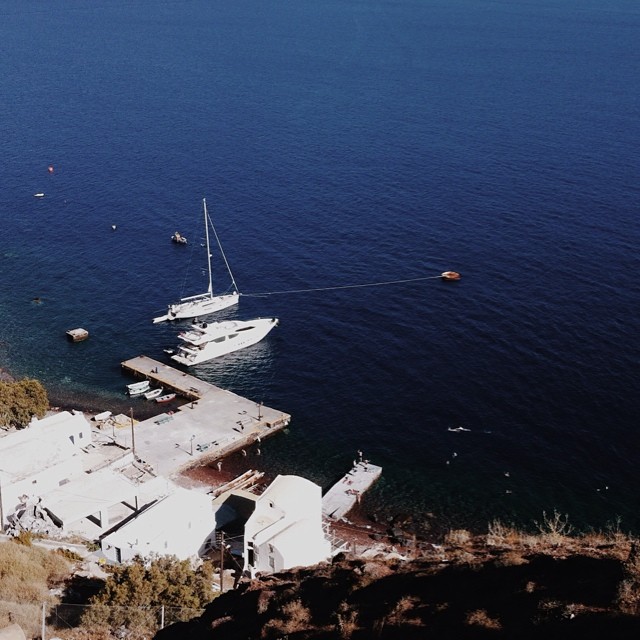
(346, 493)
(212, 424)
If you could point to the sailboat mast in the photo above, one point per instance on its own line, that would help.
(206, 233)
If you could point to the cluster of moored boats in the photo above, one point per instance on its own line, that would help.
(144, 389)
(203, 341)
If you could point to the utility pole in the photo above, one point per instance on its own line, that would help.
(1, 510)
(133, 437)
(221, 561)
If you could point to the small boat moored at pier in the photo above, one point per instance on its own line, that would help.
(154, 393)
(166, 398)
(138, 388)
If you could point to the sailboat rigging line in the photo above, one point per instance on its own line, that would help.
(224, 257)
(346, 286)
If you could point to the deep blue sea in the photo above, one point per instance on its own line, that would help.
(343, 142)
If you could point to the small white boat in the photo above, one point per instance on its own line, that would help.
(154, 393)
(178, 238)
(166, 398)
(38, 195)
(138, 388)
(205, 341)
(450, 275)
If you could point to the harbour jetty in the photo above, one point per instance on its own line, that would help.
(211, 424)
(346, 493)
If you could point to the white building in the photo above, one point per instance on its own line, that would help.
(285, 529)
(93, 504)
(44, 456)
(180, 524)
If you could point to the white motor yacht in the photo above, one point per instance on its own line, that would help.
(205, 341)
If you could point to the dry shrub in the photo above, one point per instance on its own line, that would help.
(554, 529)
(347, 620)
(294, 617)
(464, 557)
(628, 598)
(511, 559)
(27, 573)
(372, 571)
(264, 600)
(402, 612)
(481, 618)
(500, 535)
(28, 616)
(457, 537)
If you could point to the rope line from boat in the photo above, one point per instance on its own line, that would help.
(345, 286)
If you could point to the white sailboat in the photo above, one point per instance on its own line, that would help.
(203, 304)
(206, 341)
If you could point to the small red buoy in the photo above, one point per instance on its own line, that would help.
(450, 275)
(50, 168)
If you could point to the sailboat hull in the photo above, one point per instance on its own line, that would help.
(205, 342)
(193, 308)
(198, 306)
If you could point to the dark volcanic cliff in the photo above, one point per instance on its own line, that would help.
(467, 592)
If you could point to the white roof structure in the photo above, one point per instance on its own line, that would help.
(93, 492)
(44, 443)
(178, 524)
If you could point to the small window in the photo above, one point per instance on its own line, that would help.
(245, 329)
(81, 435)
(270, 548)
(272, 563)
(221, 339)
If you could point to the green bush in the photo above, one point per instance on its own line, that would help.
(20, 401)
(134, 592)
